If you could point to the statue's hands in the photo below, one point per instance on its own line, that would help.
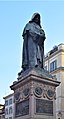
(42, 34)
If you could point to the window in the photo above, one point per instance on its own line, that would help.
(6, 111)
(10, 101)
(6, 102)
(53, 65)
(10, 117)
(10, 110)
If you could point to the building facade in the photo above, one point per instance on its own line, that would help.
(54, 63)
(9, 106)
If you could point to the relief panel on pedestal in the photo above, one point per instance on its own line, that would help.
(44, 107)
(22, 108)
(22, 101)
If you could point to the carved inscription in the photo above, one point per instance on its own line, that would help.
(22, 108)
(44, 106)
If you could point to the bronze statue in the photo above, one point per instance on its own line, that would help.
(33, 45)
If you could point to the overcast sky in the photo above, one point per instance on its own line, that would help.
(13, 17)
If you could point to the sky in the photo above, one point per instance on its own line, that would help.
(13, 17)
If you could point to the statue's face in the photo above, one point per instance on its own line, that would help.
(37, 19)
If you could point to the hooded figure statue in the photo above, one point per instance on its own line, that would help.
(33, 44)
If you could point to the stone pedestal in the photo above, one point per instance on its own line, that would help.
(34, 94)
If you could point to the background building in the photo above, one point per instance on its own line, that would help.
(9, 106)
(54, 63)
(2, 112)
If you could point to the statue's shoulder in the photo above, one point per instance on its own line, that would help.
(27, 26)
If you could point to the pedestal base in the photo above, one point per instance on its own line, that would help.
(35, 95)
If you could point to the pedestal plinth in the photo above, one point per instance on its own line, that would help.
(34, 94)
